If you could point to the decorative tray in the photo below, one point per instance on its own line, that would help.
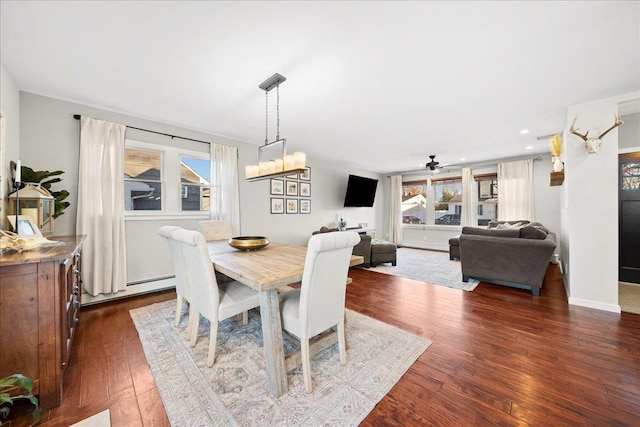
(248, 243)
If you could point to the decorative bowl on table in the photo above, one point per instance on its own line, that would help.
(248, 243)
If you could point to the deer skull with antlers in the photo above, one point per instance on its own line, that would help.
(592, 144)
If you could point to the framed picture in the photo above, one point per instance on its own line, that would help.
(306, 174)
(292, 206)
(277, 187)
(305, 206)
(27, 227)
(292, 176)
(305, 189)
(292, 188)
(277, 205)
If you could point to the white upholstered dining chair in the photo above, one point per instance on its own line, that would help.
(183, 289)
(319, 303)
(214, 302)
(216, 230)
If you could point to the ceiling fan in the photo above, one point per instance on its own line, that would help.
(433, 165)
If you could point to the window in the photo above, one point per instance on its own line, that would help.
(142, 180)
(414, 202)
(194, 177)
(446, 207)
(448, 194)
(162, 179)
(487, 198)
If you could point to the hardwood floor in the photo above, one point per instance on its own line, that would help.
(500, 356)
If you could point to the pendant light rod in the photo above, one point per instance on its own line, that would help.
(272, 82)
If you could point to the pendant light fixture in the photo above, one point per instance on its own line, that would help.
(284, 164)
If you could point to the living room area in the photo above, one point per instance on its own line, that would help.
(490, 289)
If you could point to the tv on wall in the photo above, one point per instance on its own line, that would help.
(361, 192)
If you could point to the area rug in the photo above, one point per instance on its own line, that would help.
(234, 391)
(428, 266)
(629, 297)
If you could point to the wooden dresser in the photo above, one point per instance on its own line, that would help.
(39, 306)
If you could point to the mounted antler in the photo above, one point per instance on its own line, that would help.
(592, 144)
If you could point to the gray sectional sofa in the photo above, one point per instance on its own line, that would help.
(506, 254)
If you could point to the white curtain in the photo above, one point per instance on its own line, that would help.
(100, 213)
(395, 210)
(469, 215)
(515, 191)
(225, 200)
(431, 203)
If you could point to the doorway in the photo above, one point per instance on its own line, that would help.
(629, 217)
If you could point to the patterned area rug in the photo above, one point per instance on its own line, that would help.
(234, 391)
(428, 266)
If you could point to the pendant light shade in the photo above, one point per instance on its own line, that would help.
(283, 163)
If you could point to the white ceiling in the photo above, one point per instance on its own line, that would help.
(380, 85)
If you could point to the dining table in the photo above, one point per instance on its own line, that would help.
(265, 270)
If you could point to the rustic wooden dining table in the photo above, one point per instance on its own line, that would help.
(266, 270)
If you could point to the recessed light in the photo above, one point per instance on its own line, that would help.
(529, 147)
(524, 131)
(462, 159)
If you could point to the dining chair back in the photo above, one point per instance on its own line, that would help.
(183, 289)
(216, 230)
(319, 303)
(214, 302)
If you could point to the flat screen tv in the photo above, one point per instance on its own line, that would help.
(361, 192)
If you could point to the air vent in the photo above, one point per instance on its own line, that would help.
(543, 137)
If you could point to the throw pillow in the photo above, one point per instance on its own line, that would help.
(324, 229)
(540, 226)
(532, 232)
(507, 226)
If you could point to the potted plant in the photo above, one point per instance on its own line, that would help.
(23, 384)
(43, 179)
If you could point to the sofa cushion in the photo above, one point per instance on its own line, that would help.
(540, 226)
(533, 232)
(494, 232)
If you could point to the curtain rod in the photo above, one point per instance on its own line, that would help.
(77, 117)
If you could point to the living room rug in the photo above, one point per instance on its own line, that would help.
(101, 419)
(428, 266)
(234, 390)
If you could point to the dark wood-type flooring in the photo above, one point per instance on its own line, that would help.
(500, 356)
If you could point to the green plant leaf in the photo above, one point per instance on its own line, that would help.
(17, 380)
(41, 177)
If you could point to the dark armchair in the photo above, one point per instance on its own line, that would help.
(362, 249)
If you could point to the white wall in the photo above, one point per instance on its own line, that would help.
(10, 109)
(50, 140)
(590, 213)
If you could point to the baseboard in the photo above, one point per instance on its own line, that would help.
(131, 290)
(614, 308)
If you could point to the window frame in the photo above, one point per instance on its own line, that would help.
(430, 211)
(171, 204)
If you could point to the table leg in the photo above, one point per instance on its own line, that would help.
(273, 346)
